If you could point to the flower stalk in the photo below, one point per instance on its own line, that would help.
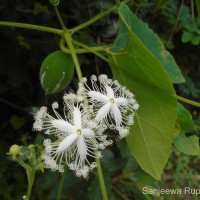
(31, 177)
(101, 180)
(61, 184)
(30, 172)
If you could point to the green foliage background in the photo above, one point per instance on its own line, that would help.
(21, 55)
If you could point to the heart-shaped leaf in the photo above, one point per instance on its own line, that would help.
(142, 72)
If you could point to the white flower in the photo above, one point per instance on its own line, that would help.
(112, 103)
(78, 137)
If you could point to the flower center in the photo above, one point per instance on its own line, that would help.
(78, 131)
(112, 100)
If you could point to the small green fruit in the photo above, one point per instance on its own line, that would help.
(56, 72)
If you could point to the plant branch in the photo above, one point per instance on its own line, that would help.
(176, 23)
(120, 193)
(31, 26)
(188, 101)
(192, 9)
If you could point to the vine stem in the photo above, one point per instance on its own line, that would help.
(92, 50)
(81, 50)
(32, 26)
(96, 18)
(61, 185)
(188, 101)
(68, 39)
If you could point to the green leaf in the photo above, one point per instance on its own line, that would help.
(186, 37)
(151, 41)
(187, 145)
(191, 25)
(195, 40)
(39, 8)
(17, 122)
(185, 119)
(141, 72)
(56, 72)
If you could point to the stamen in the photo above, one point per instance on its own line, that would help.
(79, 132)
(112, 100)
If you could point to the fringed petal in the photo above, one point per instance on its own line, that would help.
(103, 112)
(66, 143)
(88, 133)
(98, 96)
(77, 118)
(117, 114)
(121, 101)
(82, 148)
(63, 125)
(110, 92)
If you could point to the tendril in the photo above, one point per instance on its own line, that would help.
(54, 2)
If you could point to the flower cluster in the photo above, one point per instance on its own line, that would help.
(80, 131)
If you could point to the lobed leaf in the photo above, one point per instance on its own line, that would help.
(187, 145)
